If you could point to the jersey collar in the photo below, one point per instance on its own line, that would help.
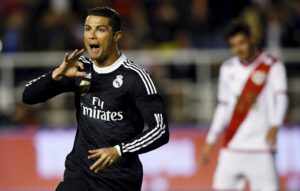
(111, 68)
(253, 61)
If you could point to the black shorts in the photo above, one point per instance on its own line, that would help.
(119, 177)
(75, 184)
(78, 184)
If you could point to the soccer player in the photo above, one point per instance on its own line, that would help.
(113, 99)
(251, 107)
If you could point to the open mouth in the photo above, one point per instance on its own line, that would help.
(94, 48)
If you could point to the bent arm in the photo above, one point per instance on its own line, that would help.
(60, 80)
(152, 109)
(157, 133)
(45, 87)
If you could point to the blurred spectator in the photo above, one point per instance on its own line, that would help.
(253, 16)
(291, 32)
(13, 34)
(165, 21)
(275, 18)
(13, 20)
(22, 116)
(57, 25)
(198, 24)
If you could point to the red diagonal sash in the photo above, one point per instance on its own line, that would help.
(247, 99)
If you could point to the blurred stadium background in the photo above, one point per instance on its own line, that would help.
(179, 42)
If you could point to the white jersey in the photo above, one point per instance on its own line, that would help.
(268, 110)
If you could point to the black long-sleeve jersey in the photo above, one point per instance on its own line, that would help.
(112, 105)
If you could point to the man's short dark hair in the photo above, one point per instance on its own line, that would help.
(114, 16)
(235, 27)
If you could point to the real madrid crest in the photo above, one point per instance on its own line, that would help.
(259, 77)
(118, 82)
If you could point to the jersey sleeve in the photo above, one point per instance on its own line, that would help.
(278, 78)
(44, 87)
(278, 82)
(220, 117)
(222, 86)
(150, 104)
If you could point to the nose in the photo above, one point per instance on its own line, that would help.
(92, 35)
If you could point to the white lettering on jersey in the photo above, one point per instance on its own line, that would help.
(97, 112)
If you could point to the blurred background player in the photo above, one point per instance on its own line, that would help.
(251, 107)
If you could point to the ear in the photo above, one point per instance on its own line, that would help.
(118, 35)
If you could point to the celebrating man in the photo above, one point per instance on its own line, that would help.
(113, 99)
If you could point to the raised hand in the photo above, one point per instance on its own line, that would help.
(70, 66)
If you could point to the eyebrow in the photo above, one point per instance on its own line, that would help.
(97, 26)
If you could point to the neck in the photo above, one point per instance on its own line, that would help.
(252, 56)
(112, 58)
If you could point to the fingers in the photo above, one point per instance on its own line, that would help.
(104, 164)
(93, 156)
(101, 163)
(74, 55)
(98, 163)
(111, 161)
(71, 57)
(66, 57)
(80, 65)
(79, 53)
(95, 153)
(80, 74)
(105, 158)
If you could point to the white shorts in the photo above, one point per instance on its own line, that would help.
(235, 167)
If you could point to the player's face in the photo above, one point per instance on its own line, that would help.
(241, 45)
(98, 37)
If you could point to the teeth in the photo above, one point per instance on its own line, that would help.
(94, 46)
